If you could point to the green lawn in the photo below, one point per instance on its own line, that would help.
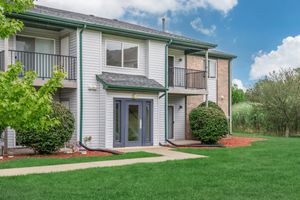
(267, 170)
(31, 162)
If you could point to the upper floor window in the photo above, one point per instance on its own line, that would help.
(212, 69)
(119, 54)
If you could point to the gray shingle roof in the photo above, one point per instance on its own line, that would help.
(42, 10)
(114, 80)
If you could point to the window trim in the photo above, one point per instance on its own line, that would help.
(36, 37)
(216, 73)
(122, 54)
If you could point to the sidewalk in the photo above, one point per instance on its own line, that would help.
(166, 153)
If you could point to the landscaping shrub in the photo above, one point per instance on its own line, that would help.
(208, 124)
(211, 104)
(46, 142)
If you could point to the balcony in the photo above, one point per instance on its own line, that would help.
(187, 81)
(43, 64)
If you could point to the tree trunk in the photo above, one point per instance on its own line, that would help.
(287, 131)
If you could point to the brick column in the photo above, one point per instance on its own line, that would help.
(197, 63)
(222, 85)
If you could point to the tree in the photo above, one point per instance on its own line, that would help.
(24, 107)
(238, 95)
(10, 26)
(278, 96)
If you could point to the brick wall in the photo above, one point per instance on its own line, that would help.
(222, 85)
(197, 62)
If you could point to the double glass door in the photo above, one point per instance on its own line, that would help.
(132, 122)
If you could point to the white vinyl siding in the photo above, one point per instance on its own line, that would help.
(11, 138)
(103, 117)
(125, 70)
(73, 44)
(178, 102)
(156, 71)
(91, 47)
(156, 61)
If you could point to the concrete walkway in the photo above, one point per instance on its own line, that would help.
(166, 153)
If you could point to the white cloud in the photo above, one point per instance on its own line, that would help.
(223, 6)
(239, 84)
(198, 26)
(285, 56)
(118, 8)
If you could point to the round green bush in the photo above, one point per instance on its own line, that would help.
(46, 142)
(208, 124)
(211, 104)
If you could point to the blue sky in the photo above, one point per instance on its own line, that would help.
(262, 33)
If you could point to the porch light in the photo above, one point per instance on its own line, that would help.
(134, 96)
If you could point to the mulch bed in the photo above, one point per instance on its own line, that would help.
(232, 141)
(58, 155)
(228, 142)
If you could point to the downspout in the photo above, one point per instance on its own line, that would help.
(81, 83)
(81, 100)
(166, 87)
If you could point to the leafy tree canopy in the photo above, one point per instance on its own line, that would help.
(23, 106)
(238, 95)
(278, 97)
(10, 26)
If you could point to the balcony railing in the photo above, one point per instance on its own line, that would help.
(2, 63)
(43, 64)
(187, 78)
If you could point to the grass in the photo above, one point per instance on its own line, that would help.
(268, 170)
(31, 162)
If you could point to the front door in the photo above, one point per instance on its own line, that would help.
(170, 122)
(133, 123)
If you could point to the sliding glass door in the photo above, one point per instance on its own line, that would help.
(36, 54)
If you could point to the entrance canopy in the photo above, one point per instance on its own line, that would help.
(114, 81)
